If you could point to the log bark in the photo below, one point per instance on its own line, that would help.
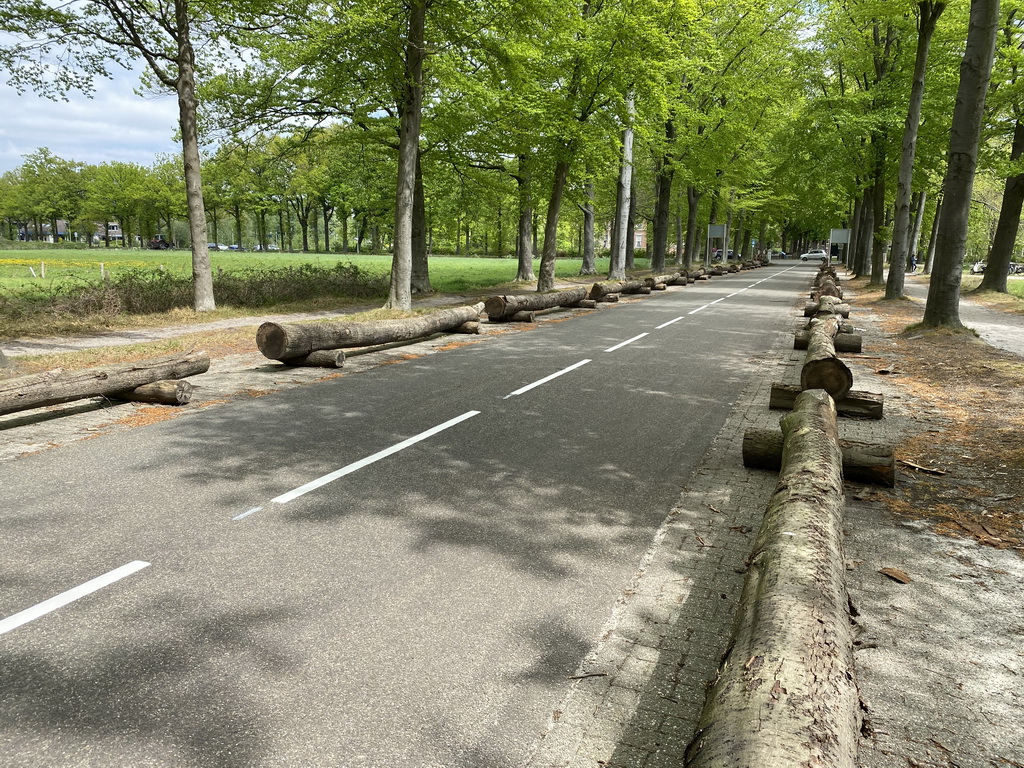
(498, 307)
(850, 343)
(829, 304)
(471, 327)
(821, 368)
(584, 304)
(827, 287)
(289, 340)
(59, 386)
(167, 392)
(523, 317)
(609, 298)
(322, 358)
(872, 463)
(655, 280)
(785, 693)
(599, 290)
(866, 405)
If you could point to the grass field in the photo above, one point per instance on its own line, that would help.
(22, 273)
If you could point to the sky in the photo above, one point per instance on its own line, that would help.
(116, 124)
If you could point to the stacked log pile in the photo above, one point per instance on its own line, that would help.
(152, 380)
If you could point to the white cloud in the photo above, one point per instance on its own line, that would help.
(116, 124)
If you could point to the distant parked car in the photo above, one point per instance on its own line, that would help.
(217, 247)
(978, 267)
(235, 247)
(815, 254)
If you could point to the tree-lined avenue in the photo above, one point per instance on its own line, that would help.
(421, 608)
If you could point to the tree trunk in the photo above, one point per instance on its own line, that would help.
(666, 171)
(915, 232)
(930, 258)
(847, 343)
(678, 260)
(58, 386)
(617, 267)
(546, 281)
(821, 368)
(928, 15)
(589, 266)
(322, 358)
(498, 307)
(524, 240)
(692, 205)
(599, 291)
(420, 280)
(943, 306)
(410, 114)
(1001, 254)
(167, 392)
(862, 462)
(284, 341)
(630, 237)
(202, 273)
(878, 239)
(865, 405)
(785, 694)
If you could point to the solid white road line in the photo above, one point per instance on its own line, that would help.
(546, 379)
(349, 469)
(48, 606)
(666, 325)
(621, 344)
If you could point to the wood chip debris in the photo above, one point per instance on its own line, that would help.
(896, 575)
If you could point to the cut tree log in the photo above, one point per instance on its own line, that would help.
(59, 386)
(322, 358)
(827, 287)
(166, 392)
(850, 343)
(599, 290)
(280, 341)
(862, 462)
(785, 694)
(522, 317)
(821, 368)
(498, 307)
(473, 326)
(610, 298)
(829, 304)
(860, 404)
(655, 280)
(584, 304)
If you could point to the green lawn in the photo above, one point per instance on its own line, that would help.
(22, 271)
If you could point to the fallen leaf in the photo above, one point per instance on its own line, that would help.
(896, 575)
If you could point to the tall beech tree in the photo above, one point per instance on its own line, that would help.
(928, 12)
(942, 308)
(58, 48)
(1006, 105)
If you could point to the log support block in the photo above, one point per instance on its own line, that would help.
(865, 405)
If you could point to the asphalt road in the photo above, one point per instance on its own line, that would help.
(398, 568)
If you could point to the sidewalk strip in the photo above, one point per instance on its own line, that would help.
(546, 379)
(59, 601)
(284, 498)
